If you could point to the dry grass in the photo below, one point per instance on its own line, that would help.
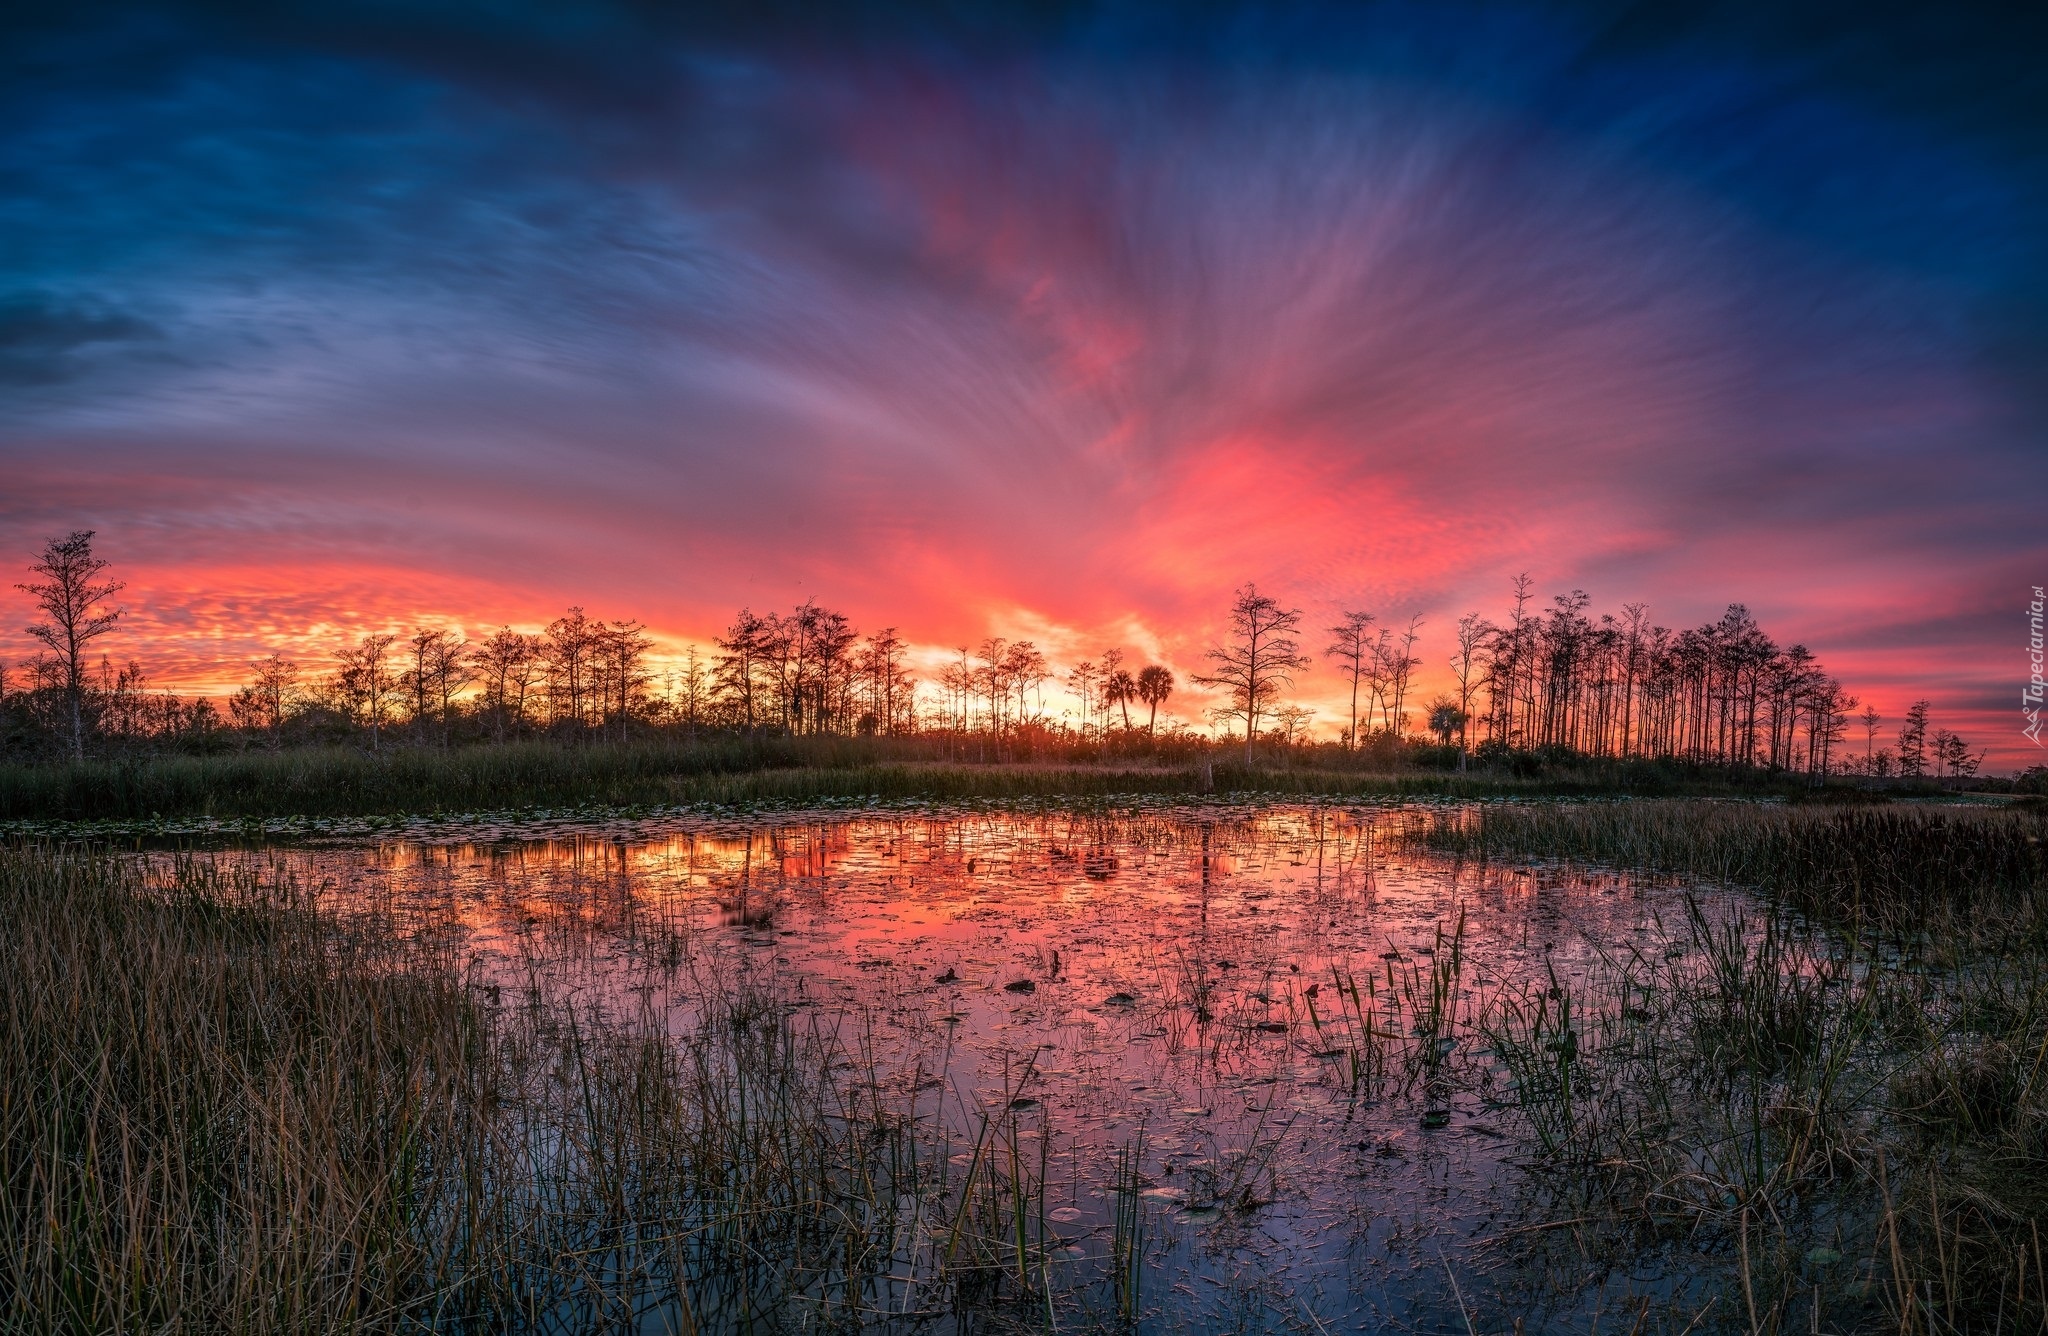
(1902, 866)
(223, 1109)
(348, 781)
(1841, 1093)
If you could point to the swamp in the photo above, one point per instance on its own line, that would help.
(1124, 1064)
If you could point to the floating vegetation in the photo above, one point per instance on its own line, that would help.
(1115, 1066)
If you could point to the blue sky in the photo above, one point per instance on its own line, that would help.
(1054, 320)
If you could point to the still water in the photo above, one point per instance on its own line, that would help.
(1282, 1010)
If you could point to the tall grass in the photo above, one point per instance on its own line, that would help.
(348, 781)
(1895, 865)
(338, 781)
(1842, 1091)
(223, 1108)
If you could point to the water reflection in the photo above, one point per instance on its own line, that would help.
(1283, 1002)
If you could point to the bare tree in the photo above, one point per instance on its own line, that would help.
(508, 662)
(454, 669)
(572, 640)
(823, 676)
(1027, 669)
(1081, 677)
(438, 665)
(1350, 647)
(264, 703)
(1399, 666)
(69, 595)
(887, 685)
(957, 681)
(695, 687)
(1913, 740)
(1952, 755)
(619, 676)
(365, 683)
(1257, 660)
(737, 670)
(416, 679)
(1474, 634)
(1291, 722)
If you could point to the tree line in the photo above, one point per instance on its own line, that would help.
(1618, 685)
(1556, 679)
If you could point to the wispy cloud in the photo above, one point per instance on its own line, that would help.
(1072, 322)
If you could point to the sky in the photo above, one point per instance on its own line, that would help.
(1054, 322)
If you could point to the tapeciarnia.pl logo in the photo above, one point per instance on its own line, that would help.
(2030, 697)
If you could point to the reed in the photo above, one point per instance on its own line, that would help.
(1842, 1088)
(349, 781)
(225, 1107)
(1127, 1239)
(1900, 866)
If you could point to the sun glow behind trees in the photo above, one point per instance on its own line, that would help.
(1056, 339)
(1555, 680)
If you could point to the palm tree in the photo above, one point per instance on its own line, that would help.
(1445, 718)
(1154, 685)
(1120, 689)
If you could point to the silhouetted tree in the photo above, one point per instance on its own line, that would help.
(1399, 666)
(1913, 740)
(957, 680)
(1119, 688)
(746, 645)
(1352, 650)
(124, 707)
(508, 662)
(1081, 677)
(1026, 670)
(1258, 658)
(1952, 756)
(1721, 693)
(1565, 678)
(1445, 718)
(1155, 684)
(364, 683)
(1827, 707)
(619, 677)
(437, 666)
(570, 642)
(694, 690)
(70, 596)
(263, 704)
(885, 681)
(1290, 721)
(819, 682)
(1510, 670)
(1474, 632)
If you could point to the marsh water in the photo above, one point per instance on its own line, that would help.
(1281, 1010)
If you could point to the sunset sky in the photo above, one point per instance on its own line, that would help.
(1054, 322)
